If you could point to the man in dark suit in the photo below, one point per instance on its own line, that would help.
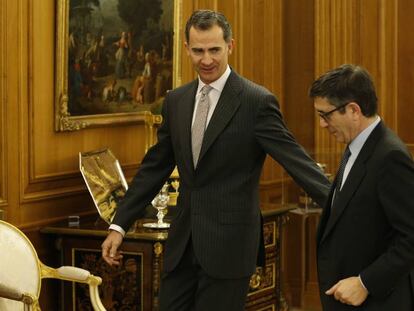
(213, 242)
(366, 234)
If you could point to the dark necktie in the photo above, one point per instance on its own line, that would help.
(341, 169)
(200, 121)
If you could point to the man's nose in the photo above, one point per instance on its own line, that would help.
(207, 59)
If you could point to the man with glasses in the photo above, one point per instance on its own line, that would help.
(365, 241)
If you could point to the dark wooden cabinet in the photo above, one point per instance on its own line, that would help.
(135, 284)
(265, 292)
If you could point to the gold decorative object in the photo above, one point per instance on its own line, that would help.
(107, 185)
(105, 180)
(263, 279)
(158, 249)
(255, 279)
(160, 203)
(175, 184)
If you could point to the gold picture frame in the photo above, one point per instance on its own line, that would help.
(99, 78)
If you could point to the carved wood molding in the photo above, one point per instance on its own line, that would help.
(35, 225)
(63, 184)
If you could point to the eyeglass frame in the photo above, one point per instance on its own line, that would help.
(325, 115)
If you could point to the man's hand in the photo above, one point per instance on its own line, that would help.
(110, 247)
(349, 291)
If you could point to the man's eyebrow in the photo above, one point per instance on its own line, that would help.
(209, 49)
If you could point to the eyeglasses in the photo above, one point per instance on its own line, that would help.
(325, 115)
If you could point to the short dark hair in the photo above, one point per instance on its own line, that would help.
(347, 83)
(205, 19)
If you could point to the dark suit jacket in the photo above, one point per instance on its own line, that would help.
(370, 229)
(218, 203)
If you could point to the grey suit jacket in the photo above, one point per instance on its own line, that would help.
(370, 231)
(218, 203)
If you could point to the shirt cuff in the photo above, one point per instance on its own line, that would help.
(117, 228)
(360, 280)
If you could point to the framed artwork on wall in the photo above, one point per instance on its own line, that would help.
(115, 61)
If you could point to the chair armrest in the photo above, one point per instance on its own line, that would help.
(14, 294)
(74, 274)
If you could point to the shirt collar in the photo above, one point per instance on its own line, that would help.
(356, 145)
(218, 84)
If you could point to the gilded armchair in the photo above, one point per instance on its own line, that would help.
(21, 273)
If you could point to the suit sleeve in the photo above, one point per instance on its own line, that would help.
(395, 190)
(154, 170)
(277, 141)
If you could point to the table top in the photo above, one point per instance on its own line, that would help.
(94, 226)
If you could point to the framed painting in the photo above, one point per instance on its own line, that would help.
(115, 61)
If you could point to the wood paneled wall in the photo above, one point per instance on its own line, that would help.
(376, 35)
(40, 179)
(281, 44)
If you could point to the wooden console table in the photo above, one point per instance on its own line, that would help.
(135, 284)
(300, 257)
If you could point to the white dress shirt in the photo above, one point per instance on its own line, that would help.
(356, 145)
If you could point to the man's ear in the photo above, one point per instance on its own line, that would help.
(355, 108)
(230, 46)
(187, 48)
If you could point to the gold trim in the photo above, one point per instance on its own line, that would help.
(177, 77)
(158, 249)
(3, 96)
(156, 273)
(267, 308)
(273, 232)
(259, 279)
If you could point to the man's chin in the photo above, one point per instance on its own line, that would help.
(207, 79)
(208, 76)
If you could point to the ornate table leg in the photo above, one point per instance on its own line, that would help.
(156, 274)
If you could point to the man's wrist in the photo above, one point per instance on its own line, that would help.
(117, 229)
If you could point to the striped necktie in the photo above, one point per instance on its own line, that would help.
(340, 173)
(200, 121)
(341, 169)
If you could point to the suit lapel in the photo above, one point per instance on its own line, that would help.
(185, 119)
(354, 179)
(351, 184)
(326, 212)
(225, 109)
